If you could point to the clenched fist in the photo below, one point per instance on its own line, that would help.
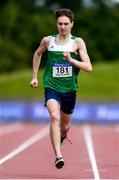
(34, 83)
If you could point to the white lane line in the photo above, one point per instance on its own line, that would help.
(90, 149)
(36, 137)
(60, 179)
(10, 128)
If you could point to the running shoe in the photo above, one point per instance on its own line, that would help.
(59, 162)
(63, 140)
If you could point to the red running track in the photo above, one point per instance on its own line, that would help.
(26, 152)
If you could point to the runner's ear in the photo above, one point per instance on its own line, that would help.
(72, 23)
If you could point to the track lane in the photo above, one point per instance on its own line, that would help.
(37, 161)
(106, 144)
(10, 141)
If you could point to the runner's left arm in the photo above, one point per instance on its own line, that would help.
(85, 64)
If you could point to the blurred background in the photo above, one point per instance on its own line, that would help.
(22, 26)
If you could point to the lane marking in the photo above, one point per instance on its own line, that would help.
(62, 179)
(90, 149)
(36, 137)
(10, 128)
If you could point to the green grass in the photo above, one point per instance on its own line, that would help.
(100, 85)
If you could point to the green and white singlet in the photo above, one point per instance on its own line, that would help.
(60, 74)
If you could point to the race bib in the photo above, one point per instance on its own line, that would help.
(62, 70)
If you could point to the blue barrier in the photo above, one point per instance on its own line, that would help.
(39, 112)
(13, 111)
(36, 112)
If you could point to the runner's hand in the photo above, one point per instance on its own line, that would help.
(34, 83)
(68, 56)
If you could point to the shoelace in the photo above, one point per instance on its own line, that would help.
(69, 140)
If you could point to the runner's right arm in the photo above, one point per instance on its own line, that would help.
(37, 60)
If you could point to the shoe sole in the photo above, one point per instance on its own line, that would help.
(59, 164)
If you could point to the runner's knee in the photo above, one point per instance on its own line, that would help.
(54, 117)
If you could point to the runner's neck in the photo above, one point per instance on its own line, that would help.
(62, 40)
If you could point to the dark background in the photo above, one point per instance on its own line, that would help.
(24, 23)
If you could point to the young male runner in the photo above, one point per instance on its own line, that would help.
(67, 54)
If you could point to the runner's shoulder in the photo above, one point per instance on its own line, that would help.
(46, 39)
(79, 41)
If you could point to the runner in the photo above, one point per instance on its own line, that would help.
(67, 54)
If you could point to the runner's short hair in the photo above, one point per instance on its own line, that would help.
(64, 12)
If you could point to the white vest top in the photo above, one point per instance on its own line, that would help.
(66, 47)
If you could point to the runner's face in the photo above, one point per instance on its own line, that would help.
(64, 25)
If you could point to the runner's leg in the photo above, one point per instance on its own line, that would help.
(65, 123)
(54, 111)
